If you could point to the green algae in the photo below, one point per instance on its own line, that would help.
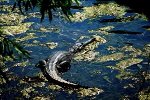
(39, 84)
(21, 28)
(125, 57)
(43, 98)
(111, 57)
(26, 37)
(128, 62)
(46, 30)
(86, 56)
(123, 64)
(144, 94)
(103, 30)
(49, 29)
(50, 45)
(6, 8)
(82, 92)
(111, 48)
(99, 10)
(34, 14)
(120, 53)
(88, 53)
(54, 87)
(146, 51)
(134, 52)
(22, 64)
(2, 80)
(11, 19)
(26, 92)
(12, 22)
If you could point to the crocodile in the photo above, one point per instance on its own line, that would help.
(59, 63)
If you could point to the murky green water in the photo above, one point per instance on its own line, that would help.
(111, 69)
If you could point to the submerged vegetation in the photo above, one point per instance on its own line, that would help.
(115, 66)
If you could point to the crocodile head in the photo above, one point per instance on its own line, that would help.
(41, 64)
(76, 48)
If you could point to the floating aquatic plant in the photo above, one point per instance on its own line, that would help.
(128, 62)
(89, 92)
(103, 30)
(99, 10)
(111, 57)
(11, 19)
(26, 91)
(21, 28)
(88, 53)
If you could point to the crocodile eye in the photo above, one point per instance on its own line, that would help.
(78, 44)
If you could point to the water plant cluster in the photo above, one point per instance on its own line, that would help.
(115, 66)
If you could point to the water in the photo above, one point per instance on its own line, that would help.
(84, 72)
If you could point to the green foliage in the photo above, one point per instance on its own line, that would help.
(46, 6)
(10, 48)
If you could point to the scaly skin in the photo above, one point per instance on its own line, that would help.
(61, 61)
(49, 69)
(53, 63)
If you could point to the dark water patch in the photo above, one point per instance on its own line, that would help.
(107, 19)
(146, 27)
(22, 71)
(111, 20)
(3, 12)
(125, 18)
(103, 1)
(32, 19)
(124, 32)
(128, 43)
(140, 6)
(129, 14)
